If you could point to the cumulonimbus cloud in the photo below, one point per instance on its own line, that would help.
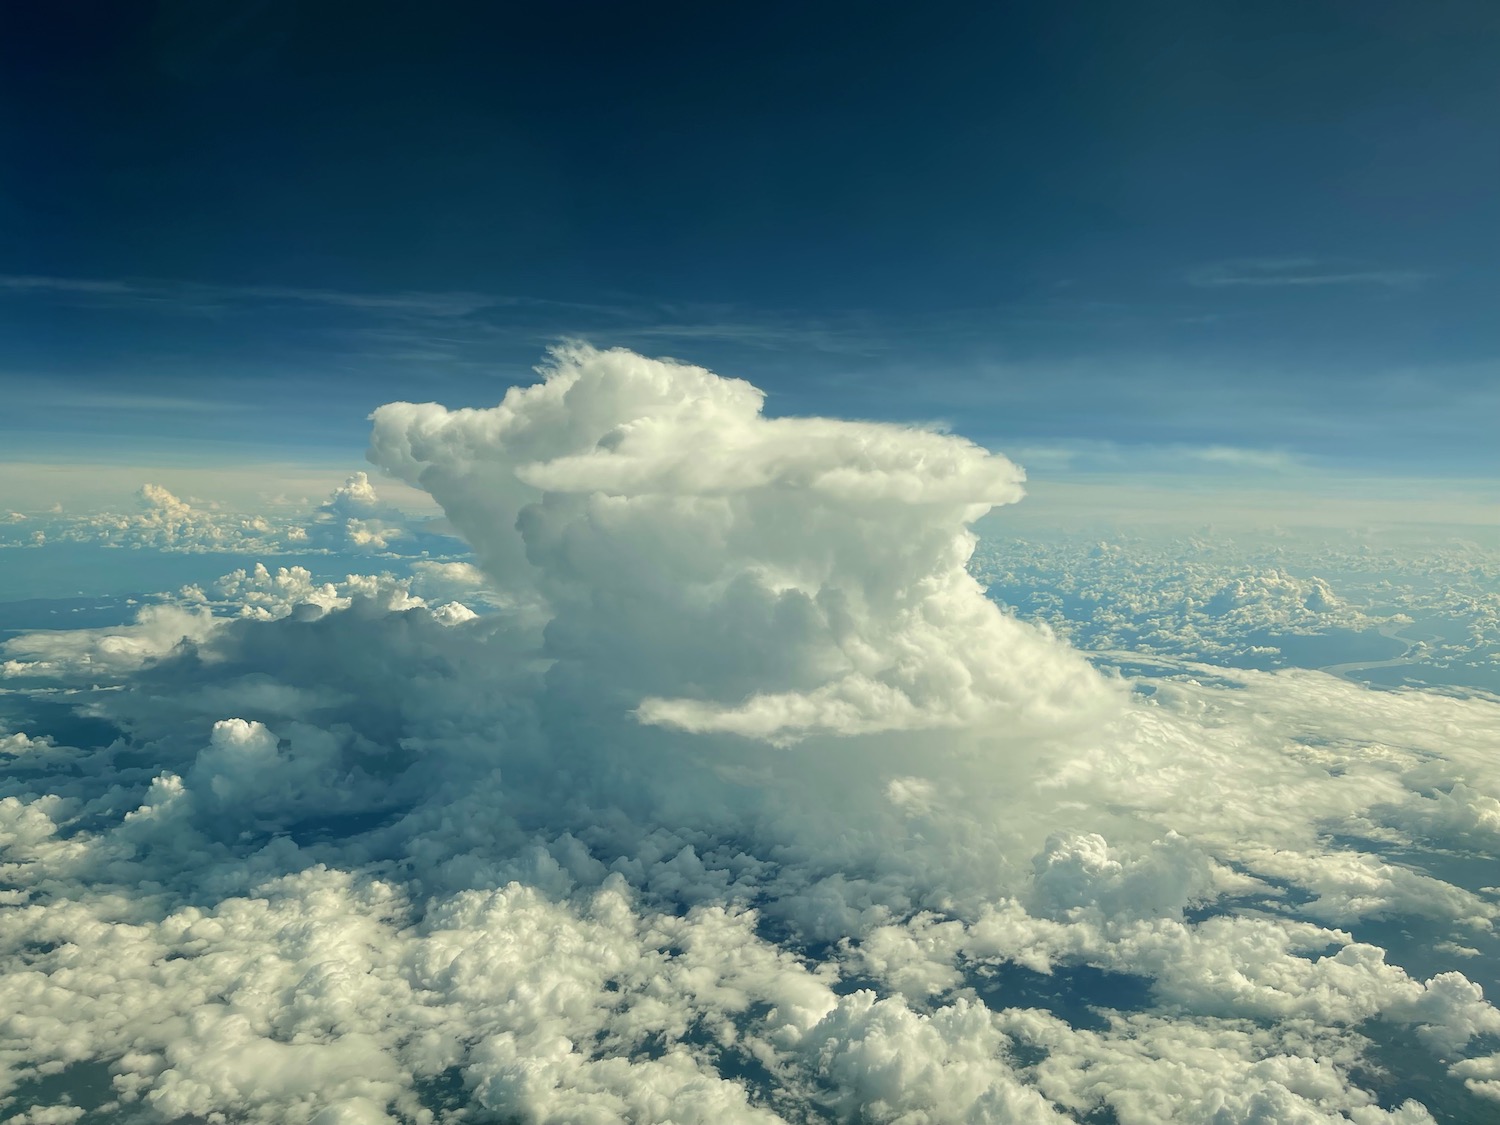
(796, 575)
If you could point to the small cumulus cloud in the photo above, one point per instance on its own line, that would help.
(353, 520)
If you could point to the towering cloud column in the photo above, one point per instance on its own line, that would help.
(715, 570)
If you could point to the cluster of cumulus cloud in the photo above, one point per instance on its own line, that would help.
(1176, 597)
(1274, 599)
(352, 520)
(740, 802)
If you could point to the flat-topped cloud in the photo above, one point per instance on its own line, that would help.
(795, 575)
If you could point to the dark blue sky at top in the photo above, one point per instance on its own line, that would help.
(1274, 225)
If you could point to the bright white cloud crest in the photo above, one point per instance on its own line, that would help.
(742, 803)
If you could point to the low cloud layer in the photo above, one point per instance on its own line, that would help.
(739, 802)
(352, 520)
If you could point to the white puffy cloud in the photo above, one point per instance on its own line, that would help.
(166, 522)
(1482, 1075)
(1146, 1070)
(353, 520)
(795, 575)
(157, 631)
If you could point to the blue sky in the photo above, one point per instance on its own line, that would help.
(228, 235)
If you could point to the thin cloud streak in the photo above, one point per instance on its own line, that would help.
(192, 294)
(1270, 273)
(435, 326)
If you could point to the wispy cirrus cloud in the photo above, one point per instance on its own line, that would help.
(192, 295)
(1270, 460)
(1268, 273)
(439, 325)
(1095, 456)
(41, 393)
